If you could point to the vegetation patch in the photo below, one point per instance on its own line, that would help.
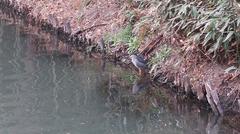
(210, 25)
(213, 25)
(126, 37)
(160, 55)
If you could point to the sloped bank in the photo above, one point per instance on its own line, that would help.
(189, 73)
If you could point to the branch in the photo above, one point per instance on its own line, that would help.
(89, 28)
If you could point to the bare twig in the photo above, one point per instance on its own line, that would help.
(213, 99)
(151, 46)
(89, 28)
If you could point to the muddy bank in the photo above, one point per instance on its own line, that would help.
(191, 73)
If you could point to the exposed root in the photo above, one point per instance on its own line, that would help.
(213, 99)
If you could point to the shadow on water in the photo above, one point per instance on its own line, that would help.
(47, 87)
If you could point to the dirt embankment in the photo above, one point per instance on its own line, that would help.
(189, 71)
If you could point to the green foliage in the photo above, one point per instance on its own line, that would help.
(125, 37)
(211, 24)
(133, 45)
(130, 16)
(232, 69)
(161, 55)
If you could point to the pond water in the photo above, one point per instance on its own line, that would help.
(47, 92)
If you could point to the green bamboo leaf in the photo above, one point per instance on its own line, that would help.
(225, 26)
(177, 24)
(194, 12)
(232, 68)
(238, 22)
(207, 38)
(181, 24)
(229, 36)
(216, 45)
(175, 7)
(221, 6)
(202, 22)
(214, 34)
(190, 33)
(183, 10)
(196, 38)
(219, 23)
(186, 25)
(208, 26)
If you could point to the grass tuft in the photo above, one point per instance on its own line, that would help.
(160, 56)
(126, 37)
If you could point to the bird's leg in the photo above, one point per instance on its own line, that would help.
(141, 72)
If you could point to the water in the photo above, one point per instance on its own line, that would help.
(47, 92)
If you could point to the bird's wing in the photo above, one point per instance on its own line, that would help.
(140, 58)
(141, 64)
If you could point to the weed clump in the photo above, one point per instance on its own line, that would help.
(126, 37)
(210, 25)
(160, 55)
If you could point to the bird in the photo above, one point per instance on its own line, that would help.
(102, 46)
(67, 26)
(139, 62)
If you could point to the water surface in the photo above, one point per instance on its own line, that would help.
(47, 92)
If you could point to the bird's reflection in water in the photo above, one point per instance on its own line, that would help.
(113, 92)
(213, 124)
(140, 85)
(148, 110)
(103, 64)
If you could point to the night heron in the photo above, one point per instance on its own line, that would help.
(139, 62)
(102, 46)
